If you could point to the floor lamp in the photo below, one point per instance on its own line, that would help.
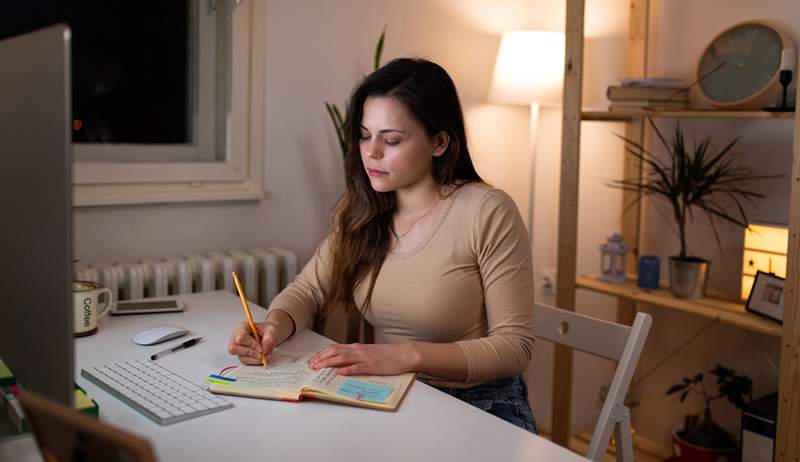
(529, 71)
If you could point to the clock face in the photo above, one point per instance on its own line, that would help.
(740, 62)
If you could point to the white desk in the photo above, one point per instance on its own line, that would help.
(429, 425)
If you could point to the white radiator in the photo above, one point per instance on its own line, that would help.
(264, 272)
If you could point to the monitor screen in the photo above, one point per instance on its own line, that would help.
(35, 199)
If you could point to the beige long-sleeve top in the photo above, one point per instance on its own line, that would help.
(471, 283)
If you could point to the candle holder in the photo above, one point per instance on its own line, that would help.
(785, 78)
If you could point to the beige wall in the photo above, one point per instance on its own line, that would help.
(317, 50)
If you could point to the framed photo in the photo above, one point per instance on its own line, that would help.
(766, 297)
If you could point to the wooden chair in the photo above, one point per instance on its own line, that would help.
(63, 434)
(608, 340)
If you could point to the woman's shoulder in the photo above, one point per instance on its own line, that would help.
(478, 196)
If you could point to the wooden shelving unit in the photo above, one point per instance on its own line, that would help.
(726, 312)
(636, 113)
(788, 434)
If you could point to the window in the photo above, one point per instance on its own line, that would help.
(167, 98)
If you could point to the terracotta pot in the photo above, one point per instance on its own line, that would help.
(688, 452)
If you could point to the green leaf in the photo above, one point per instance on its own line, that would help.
(692, 178)
(379, 49)
(676, 388)
(338, 125)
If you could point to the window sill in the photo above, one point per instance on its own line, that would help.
(238, 178)
(132, 194)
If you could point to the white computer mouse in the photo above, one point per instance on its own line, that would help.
(158, 334)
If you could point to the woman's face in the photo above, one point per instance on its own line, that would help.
(396, 151)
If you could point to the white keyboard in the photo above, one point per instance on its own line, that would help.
(160, 394)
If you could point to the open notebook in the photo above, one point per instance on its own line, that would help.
(288, 377)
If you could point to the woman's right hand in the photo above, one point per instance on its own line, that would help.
(243, 345)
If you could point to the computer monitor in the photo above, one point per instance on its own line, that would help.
(36, 341)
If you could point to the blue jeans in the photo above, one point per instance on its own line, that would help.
(506, 398)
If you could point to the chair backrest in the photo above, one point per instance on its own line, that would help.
(609, 340)
(65, 434)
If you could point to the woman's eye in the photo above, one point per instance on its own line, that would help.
(364, 136)
(392, 142)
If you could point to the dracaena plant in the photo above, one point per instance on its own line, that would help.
(693, 178)
(336, 115)
(702, 430)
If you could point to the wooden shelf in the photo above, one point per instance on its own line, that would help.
(726, 312)
(633, 113)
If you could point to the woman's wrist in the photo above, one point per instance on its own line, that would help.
(283, 323)
(443, 360)
(413, 355)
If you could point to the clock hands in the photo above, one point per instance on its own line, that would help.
(749, 46)
(724, 60)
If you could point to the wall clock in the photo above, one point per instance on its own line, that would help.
(739, 69)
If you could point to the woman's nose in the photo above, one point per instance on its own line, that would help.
(374, 149)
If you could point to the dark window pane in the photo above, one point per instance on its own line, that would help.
(129, 66)
(130, 71)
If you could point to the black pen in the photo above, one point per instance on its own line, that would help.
(183, 345)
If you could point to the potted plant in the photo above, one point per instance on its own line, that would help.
(336, 115)
(701, 438)
(692, 179)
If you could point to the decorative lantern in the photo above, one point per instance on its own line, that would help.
(612, 259)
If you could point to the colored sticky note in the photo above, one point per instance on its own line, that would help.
(365, 391)
(220, 380)
(6, 377)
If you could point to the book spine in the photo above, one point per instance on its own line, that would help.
(15, 413)
(653, 82)
(614, 108)
(645, 93)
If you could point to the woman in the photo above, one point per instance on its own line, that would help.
(433, 258)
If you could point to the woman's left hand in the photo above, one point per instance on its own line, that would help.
(365, 359)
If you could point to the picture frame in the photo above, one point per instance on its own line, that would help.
(766, 296)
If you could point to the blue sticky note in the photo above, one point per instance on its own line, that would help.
(365, 391)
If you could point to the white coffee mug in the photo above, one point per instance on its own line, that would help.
(86, 306)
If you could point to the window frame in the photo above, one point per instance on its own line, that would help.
(237, 177)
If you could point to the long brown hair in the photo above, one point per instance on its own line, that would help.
(362, 218)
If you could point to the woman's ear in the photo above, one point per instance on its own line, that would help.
(440, 143)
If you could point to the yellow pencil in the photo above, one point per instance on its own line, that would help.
(249, 315)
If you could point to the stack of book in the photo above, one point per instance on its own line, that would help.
(648, 93)
(9, 402)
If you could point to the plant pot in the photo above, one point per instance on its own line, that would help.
(688, 452)
(687, 276)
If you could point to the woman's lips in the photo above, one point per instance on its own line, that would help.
(375, 172)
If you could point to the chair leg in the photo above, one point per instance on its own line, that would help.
(622, 435)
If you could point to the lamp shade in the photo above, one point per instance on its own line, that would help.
(529, 68)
